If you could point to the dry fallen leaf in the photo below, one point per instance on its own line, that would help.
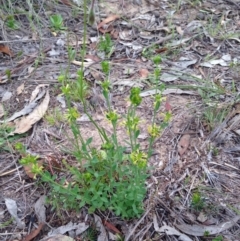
(26, 122)
(200, 230)
(81, 227)
(34, 233)
(167, 106)
(13, 209)
(40, 209)
(5, 49)
(169, 230)
(102, 232)
(20, 89)
(107, 20)
(36, 92)
(67, 2)
(111, 227)
(143, 73)
(183, 144)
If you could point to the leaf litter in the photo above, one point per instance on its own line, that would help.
(200, 68)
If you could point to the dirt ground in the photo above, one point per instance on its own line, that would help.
(197, 154)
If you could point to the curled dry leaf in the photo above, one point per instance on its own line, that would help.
(143, 73)
(183, 144)
(34, 233)
(20, 89)
(26, 122)
(36, 93)
(107, 20)
(111, 227)
(5, 49)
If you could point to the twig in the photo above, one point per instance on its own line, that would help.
(137, 224)
(159, 41)
(190, 188)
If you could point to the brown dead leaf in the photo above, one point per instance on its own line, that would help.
(143, 73)
(111, 227)
(107, 20)
(167, 106)
(161, 50)
(107, 30)
(5, 49)
(183, 144)
(26, 122)
(20, 89)
(34, 233)
(66, 2)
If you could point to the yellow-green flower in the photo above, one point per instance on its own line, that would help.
(112, 116)
(72, 114)
(102, 155)
(167, 116)
(36, 169)
(87, 177)
(135, 97)
(61, 78)
(154, 130)
(139, 158)
(66, 89)
(132, 122)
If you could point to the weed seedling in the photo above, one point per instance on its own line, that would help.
(106, 45)
(57, 22)
(197, 201)
(11, 23)
(218, 238)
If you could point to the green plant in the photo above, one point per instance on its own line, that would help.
(5, 224)
(106, 45)
(57, 22)
(218, 238)
(108, 178)
(54, 116)
(197, 201)
(11, 23)
(5, 138)
(112, 176)
(213, 116)
(29, 160)
(206, 234)
(91, 234)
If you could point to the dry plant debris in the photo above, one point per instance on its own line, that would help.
(193, 190)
